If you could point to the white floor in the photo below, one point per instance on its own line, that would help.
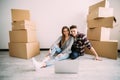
(12, 68)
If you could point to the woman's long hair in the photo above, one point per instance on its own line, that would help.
(63, 36)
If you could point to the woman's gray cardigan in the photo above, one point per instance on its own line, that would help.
(66, 47)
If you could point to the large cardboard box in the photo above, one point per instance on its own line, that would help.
(101, 12)
(106, 22)
(100, 34)
(19, 14)
(22, 25)
(23, 36)
(106, 49)
(24, 50)
(103, 3)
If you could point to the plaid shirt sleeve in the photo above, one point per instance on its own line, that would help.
(86, 42)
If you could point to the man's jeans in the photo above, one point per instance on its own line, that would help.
(74, 55)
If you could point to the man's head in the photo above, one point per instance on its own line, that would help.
(73, 30)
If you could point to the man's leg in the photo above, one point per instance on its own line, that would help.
(74, 55)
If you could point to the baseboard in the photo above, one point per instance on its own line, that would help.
(4, 49)
(42, 49)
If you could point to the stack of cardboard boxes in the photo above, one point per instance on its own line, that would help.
(100, 21)
(23, 38)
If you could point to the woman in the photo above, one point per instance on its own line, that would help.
(60, 50)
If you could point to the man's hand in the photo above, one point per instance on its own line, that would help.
(98, 58)
(95, 53)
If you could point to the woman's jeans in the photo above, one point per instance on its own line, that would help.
(56, 50)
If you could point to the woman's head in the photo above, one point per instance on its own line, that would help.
(65, 31)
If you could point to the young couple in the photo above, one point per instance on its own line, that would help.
(70, 45)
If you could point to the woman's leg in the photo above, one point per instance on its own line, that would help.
(57, 58)
(62, 57)
(47, 59)
(36, 64)
(55, 49)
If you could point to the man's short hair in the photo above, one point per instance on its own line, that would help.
(73, 26)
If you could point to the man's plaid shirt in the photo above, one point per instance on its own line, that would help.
(80, 41)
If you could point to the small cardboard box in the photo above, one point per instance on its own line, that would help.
(106, 49)
(23, 25)
(106, 22)
(100, 34)
(23, 36)
(103, 3)
(101, 12)
(19, 14)
(24, 50)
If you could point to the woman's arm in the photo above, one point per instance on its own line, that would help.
(69, 44)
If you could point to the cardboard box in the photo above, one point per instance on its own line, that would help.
(24, 50)
(23, 36)
(100, 34)
(106, 22)
(103, 3)
(101, 12)
(22, 25)
(106, 49)
(19, 14)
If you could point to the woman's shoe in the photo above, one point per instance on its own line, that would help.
(36, 64)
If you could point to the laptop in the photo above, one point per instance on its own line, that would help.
(67, 66)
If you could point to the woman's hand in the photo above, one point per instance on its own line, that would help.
(59, 55)
(48, 53)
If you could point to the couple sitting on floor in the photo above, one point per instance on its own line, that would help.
(70, 45)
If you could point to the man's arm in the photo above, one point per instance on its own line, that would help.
(89, 46)
(95, 53)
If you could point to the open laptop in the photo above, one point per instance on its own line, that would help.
(67, 66)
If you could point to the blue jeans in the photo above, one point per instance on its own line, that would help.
(56, 50)
(74, 55)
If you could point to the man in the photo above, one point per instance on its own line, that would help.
(80, 41)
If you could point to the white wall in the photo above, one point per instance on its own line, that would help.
(115, 32)
(49, 16)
